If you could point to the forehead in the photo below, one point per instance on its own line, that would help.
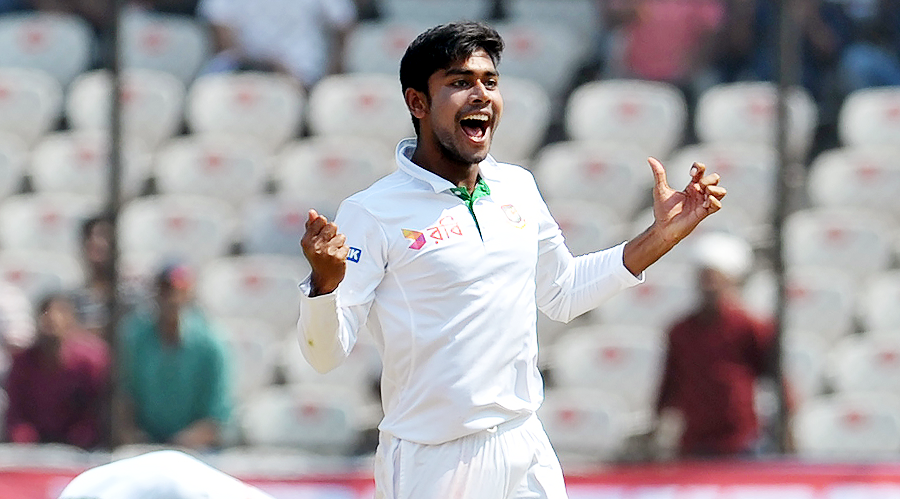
(478, 62)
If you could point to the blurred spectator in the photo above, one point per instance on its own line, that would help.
(7, 6)
(175, 370)
(16, 324)
(873, 57)
(182, 7)
(715, 357)
(92, 299)
(304, 38)
(57, 386)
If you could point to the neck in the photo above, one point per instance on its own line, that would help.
(434, 158)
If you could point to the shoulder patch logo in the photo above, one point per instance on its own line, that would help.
(512, 214)
(354, 254)
(416, 237)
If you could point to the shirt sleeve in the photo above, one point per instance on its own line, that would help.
(568, 286)
(218, 403)
(329, 324)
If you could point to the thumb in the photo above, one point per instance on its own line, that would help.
(659, 174)
(313, 214)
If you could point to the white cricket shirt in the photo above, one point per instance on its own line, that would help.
(165, 474)
(451, 304)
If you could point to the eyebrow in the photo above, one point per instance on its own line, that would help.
(467, 72)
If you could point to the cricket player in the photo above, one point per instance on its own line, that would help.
(447, 261)
(166, 474)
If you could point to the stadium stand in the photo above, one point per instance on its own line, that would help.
(60, 44)
(39, 273)
(13, 156)
(878, 301)
(864, 176)
(31, 103)
(848, 426)
(584, 425)
(870, 117)
(178, 45)
(45, 222)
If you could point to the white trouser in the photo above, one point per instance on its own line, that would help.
(512, 461)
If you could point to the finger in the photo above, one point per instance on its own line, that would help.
(328, 232)
(716, 191)
(339, 240)
(708, 180)
(697, 171)
(659, 173)
(315, 225)
(313, 214)
(712, 204)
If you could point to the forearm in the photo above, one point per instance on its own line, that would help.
(647, 248)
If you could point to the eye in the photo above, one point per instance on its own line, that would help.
(460, 83)
(491, 84)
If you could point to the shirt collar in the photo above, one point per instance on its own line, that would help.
(487, 168)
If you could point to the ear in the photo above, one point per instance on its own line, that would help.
(417, 102)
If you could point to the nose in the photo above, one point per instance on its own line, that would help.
(480, 92)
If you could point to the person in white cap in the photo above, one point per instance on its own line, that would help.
(715, 356)
(167, 474)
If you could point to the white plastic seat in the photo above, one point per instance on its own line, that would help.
(321, 419)
(13, 156)
(78, 163)
(865, 177)
(541, 51)
(263, 106)
(747, 112)
(60, 44)
(366, 105)
(669, 292)
(31, 102)
(253, 346)
(856, 241)
(432, 12)
(805, 356)
(819, 300)
(649, 115)
(587, 226)
(152, 103)
(749, 172)
(378, 46)
(583, 16)
(215, 166)
(867, 363)
(613, 175)
(275, 224)
(848, 426)
(331, 168)
(870, 116)
(259, 287)
(628, 367)
(39, 273)
(584, 425)
(45, 222)
(360, 371)
(189, 228)
(878, 310)
(526, 117)
(178, 45)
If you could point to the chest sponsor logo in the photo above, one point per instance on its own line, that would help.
(512, 214)
(445, 229)
(354, 254)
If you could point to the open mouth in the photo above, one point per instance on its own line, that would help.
(476, 126)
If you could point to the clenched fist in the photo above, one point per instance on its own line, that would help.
(326, 250)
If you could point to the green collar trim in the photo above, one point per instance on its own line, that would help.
(481, 190)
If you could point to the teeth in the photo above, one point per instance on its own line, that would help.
(479, 117)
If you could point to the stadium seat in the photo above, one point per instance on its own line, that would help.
(747, 112)
(584, 425)
(178, 45)
(648, 115)
(39, 273)
(582, 16)
(212, 165)
(13, 156)
(669, 292)
(329, 168)
(820, 301)
(152, 104)
(541, 51)
(60, 44)
(326, 420)
(432, 12)
(587, 226)
(192, 229)
(594, 357)
(867, 363)
(878, 310)
(378, 46)
(361, 371)
(275, 224)
(526, 117)
(78, 163)
(805, 355)
(31, 103)
(365, 105)
(856, 241)
(749, 171)
(866, 177)
(870, 117)
(612, 175)
(263, 106)
(45, 222)
(848, 426)
(253, 346)
(262, 287)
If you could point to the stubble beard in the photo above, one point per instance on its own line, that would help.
(450, 151)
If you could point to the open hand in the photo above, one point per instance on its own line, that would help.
(677, 213)
(326, 250)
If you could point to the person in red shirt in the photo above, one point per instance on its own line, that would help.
(716, 355)
(57, 386)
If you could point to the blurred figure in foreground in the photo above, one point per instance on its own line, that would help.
(165, 474)
(715, 357)
(16, 324)
(57, 386)
(175, 370)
